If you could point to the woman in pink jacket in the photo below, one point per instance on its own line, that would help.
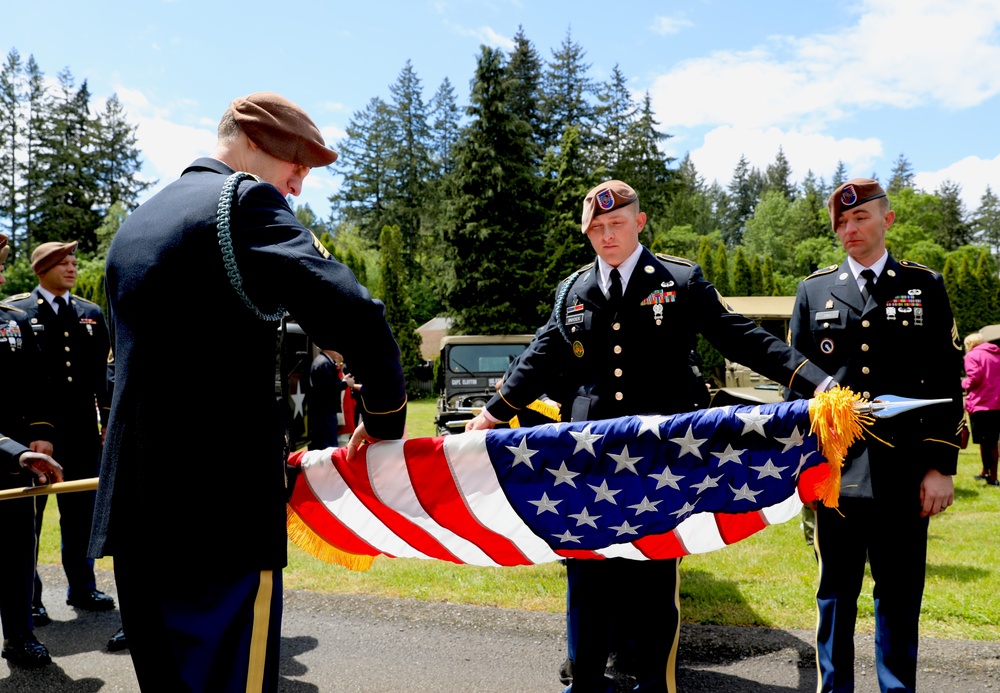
(982, 401)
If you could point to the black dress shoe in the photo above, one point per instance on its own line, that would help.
(40, 616)
(95, 600)
(117, 642)
(26, 652)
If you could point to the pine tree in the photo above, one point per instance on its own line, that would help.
(398, 309)
(986, 221)
(525, 67)
(742, 274)
(720, 270)
(953, 231)
(615, 115)
(10, 136)
(365, 158)
(37, 104)
(902, 177)
(566, 90)
(839, 177)
(117, 158)
(644, 165)
(744, 191)
(493, 231)
(444, 118)
(778, 176)
(68, 184)
(705, 258)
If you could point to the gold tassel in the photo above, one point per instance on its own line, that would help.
(837, 426)
(306, 539)
(544, 408)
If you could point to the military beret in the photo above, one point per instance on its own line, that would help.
(282, 129)
(852, 194)
(48, 255)
(603, 198)
(4, 248)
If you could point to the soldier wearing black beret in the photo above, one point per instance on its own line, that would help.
(881, 326)
(620, 337)
(72, 341)
(198, 536)
(19, 465)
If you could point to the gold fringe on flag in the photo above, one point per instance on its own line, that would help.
(837, 425)
(544, 408)
(306, 539)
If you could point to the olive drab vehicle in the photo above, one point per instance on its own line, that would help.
(468, 373)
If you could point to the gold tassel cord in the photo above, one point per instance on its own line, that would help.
(837, 425)
(306, 539)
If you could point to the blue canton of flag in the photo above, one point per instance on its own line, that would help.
(590, 485)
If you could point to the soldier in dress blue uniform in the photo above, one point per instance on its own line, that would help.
(19, 465)
(71, 337)
(880, 326)
(621, 332)
(193, 507)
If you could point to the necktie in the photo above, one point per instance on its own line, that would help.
(869, 275)
(60, 306)
(615, 292)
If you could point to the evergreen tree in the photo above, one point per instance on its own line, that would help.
(705, 258)
(742, 274)
(986, 221)
(953, 231)
(615, 114)
(720, 270)
(444, 118)
(744, 191)
(902, 178)
(566, 90)
(493, 230)
(68, 184)
(989, 290)
(807, 215)
(398, 309)
(688, 203)
(525, 68)
(756, 281)
(839, 176)
(778, 176)
(37, 104)
(645, 167)
(10, 135)
(768, 285)
(116, 158)
(365, 158)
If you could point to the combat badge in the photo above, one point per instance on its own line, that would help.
(578, 350)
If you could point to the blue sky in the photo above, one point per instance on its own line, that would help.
(861, 82)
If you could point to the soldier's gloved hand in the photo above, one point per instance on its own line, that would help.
(45, 469)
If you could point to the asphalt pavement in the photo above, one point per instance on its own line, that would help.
(361, 644)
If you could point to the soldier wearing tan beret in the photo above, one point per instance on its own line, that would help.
(19, 465)
(881, 326)
(72, 341)
(248, 264)
(611, 320)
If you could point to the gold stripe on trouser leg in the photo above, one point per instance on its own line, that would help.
(672, 659)
(258, 637)
(819, 566)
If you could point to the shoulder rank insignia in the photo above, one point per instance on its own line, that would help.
(675, 260)
(83, 300)
(18, 297)
(825, 270)
(10, 308)
(916, 265)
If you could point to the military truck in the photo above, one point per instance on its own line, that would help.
(743, 385)
(468, 373)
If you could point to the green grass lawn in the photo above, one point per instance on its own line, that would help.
(766, 580)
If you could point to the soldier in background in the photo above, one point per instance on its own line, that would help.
(19, 465)
(71, 338)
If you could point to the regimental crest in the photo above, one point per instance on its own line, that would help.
(605, 200)
(848, 196)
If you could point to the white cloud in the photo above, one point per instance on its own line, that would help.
(484, 34)
(722, 147)
(669, 25)
(972, 173)
(900, 53)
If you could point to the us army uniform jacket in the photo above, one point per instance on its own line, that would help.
(19, 410)
(193, 462)
(72, 357)
(903, 341)
(636, 360)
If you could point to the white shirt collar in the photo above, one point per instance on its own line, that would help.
(876, 266)
(624, 269)
(51, 298)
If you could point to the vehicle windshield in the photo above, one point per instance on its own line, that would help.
(483, 358)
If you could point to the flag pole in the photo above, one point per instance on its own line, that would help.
(58, 487)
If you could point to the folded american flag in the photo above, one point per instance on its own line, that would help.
(640, 487)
